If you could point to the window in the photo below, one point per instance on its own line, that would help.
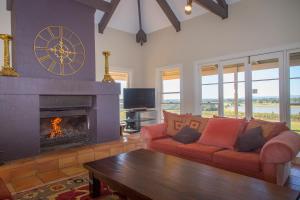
(294, 79)
(170, 97)
(123, 79)
(265, 89)
(234, 90)
(244, 87)
(209, 90)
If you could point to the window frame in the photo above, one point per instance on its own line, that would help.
(287, 87)
(280, 56)
(243, 61)
(159, 88)
(198, 72)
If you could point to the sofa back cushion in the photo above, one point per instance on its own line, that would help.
(175, 122)
(269, 129)
(222, 132)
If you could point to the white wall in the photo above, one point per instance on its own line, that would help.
(5, 26)
(126, 53)
(252, 25)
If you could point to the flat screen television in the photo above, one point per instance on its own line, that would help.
(139, 98)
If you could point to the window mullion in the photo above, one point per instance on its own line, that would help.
(248, 89)
(200, 90)
(236, 98)
(283, 99)
(221, 88)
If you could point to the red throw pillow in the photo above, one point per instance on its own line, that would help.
(222, 132)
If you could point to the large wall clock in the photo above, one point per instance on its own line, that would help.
(59, 50)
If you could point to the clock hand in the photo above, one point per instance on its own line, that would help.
(61, 51)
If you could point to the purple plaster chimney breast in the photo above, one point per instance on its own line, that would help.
(86, 111)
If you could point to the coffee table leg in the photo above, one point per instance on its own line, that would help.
(94, 186)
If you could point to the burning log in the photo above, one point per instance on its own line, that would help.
(55, 128)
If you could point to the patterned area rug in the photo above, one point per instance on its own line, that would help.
(71, 189)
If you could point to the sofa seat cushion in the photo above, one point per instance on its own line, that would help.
(197, 151)
(237, 161)
(165, 145)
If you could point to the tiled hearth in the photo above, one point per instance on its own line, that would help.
(32, 172)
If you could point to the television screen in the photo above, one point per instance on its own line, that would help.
(139, 98)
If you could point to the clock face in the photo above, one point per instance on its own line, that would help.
(59, 50)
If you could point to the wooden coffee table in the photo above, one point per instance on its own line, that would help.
(145, 174)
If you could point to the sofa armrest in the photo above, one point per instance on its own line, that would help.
(153, 132)
(281, 149)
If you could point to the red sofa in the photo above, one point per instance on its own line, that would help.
(271, 164)
(4, 193)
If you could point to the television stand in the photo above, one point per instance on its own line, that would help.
(138, 110)
(137, 118)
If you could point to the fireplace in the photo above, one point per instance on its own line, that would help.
(26, 103)
(64, 122)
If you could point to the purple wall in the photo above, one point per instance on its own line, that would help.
(31, 16)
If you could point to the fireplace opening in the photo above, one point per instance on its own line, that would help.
(62, 125)
(64, 132)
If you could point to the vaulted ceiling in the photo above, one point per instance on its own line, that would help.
(142, 17)
(125, 17)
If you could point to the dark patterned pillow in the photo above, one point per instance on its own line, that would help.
(251, 140)
(187, 135)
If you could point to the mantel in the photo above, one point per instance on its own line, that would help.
(36, 86)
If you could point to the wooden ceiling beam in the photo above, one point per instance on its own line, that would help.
(107, 16)
(97, 4)
(169, 13)
(215, 8)
(9, 5)
(222, 3)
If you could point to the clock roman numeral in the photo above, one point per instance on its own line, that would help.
(41, 37)
(70, 36)
(40, 48)
(62, 69)
(50, 32)
(61, 32)
(71, 67)
(44, 58)
(51, 66)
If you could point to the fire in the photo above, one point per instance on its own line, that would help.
(55, 127)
